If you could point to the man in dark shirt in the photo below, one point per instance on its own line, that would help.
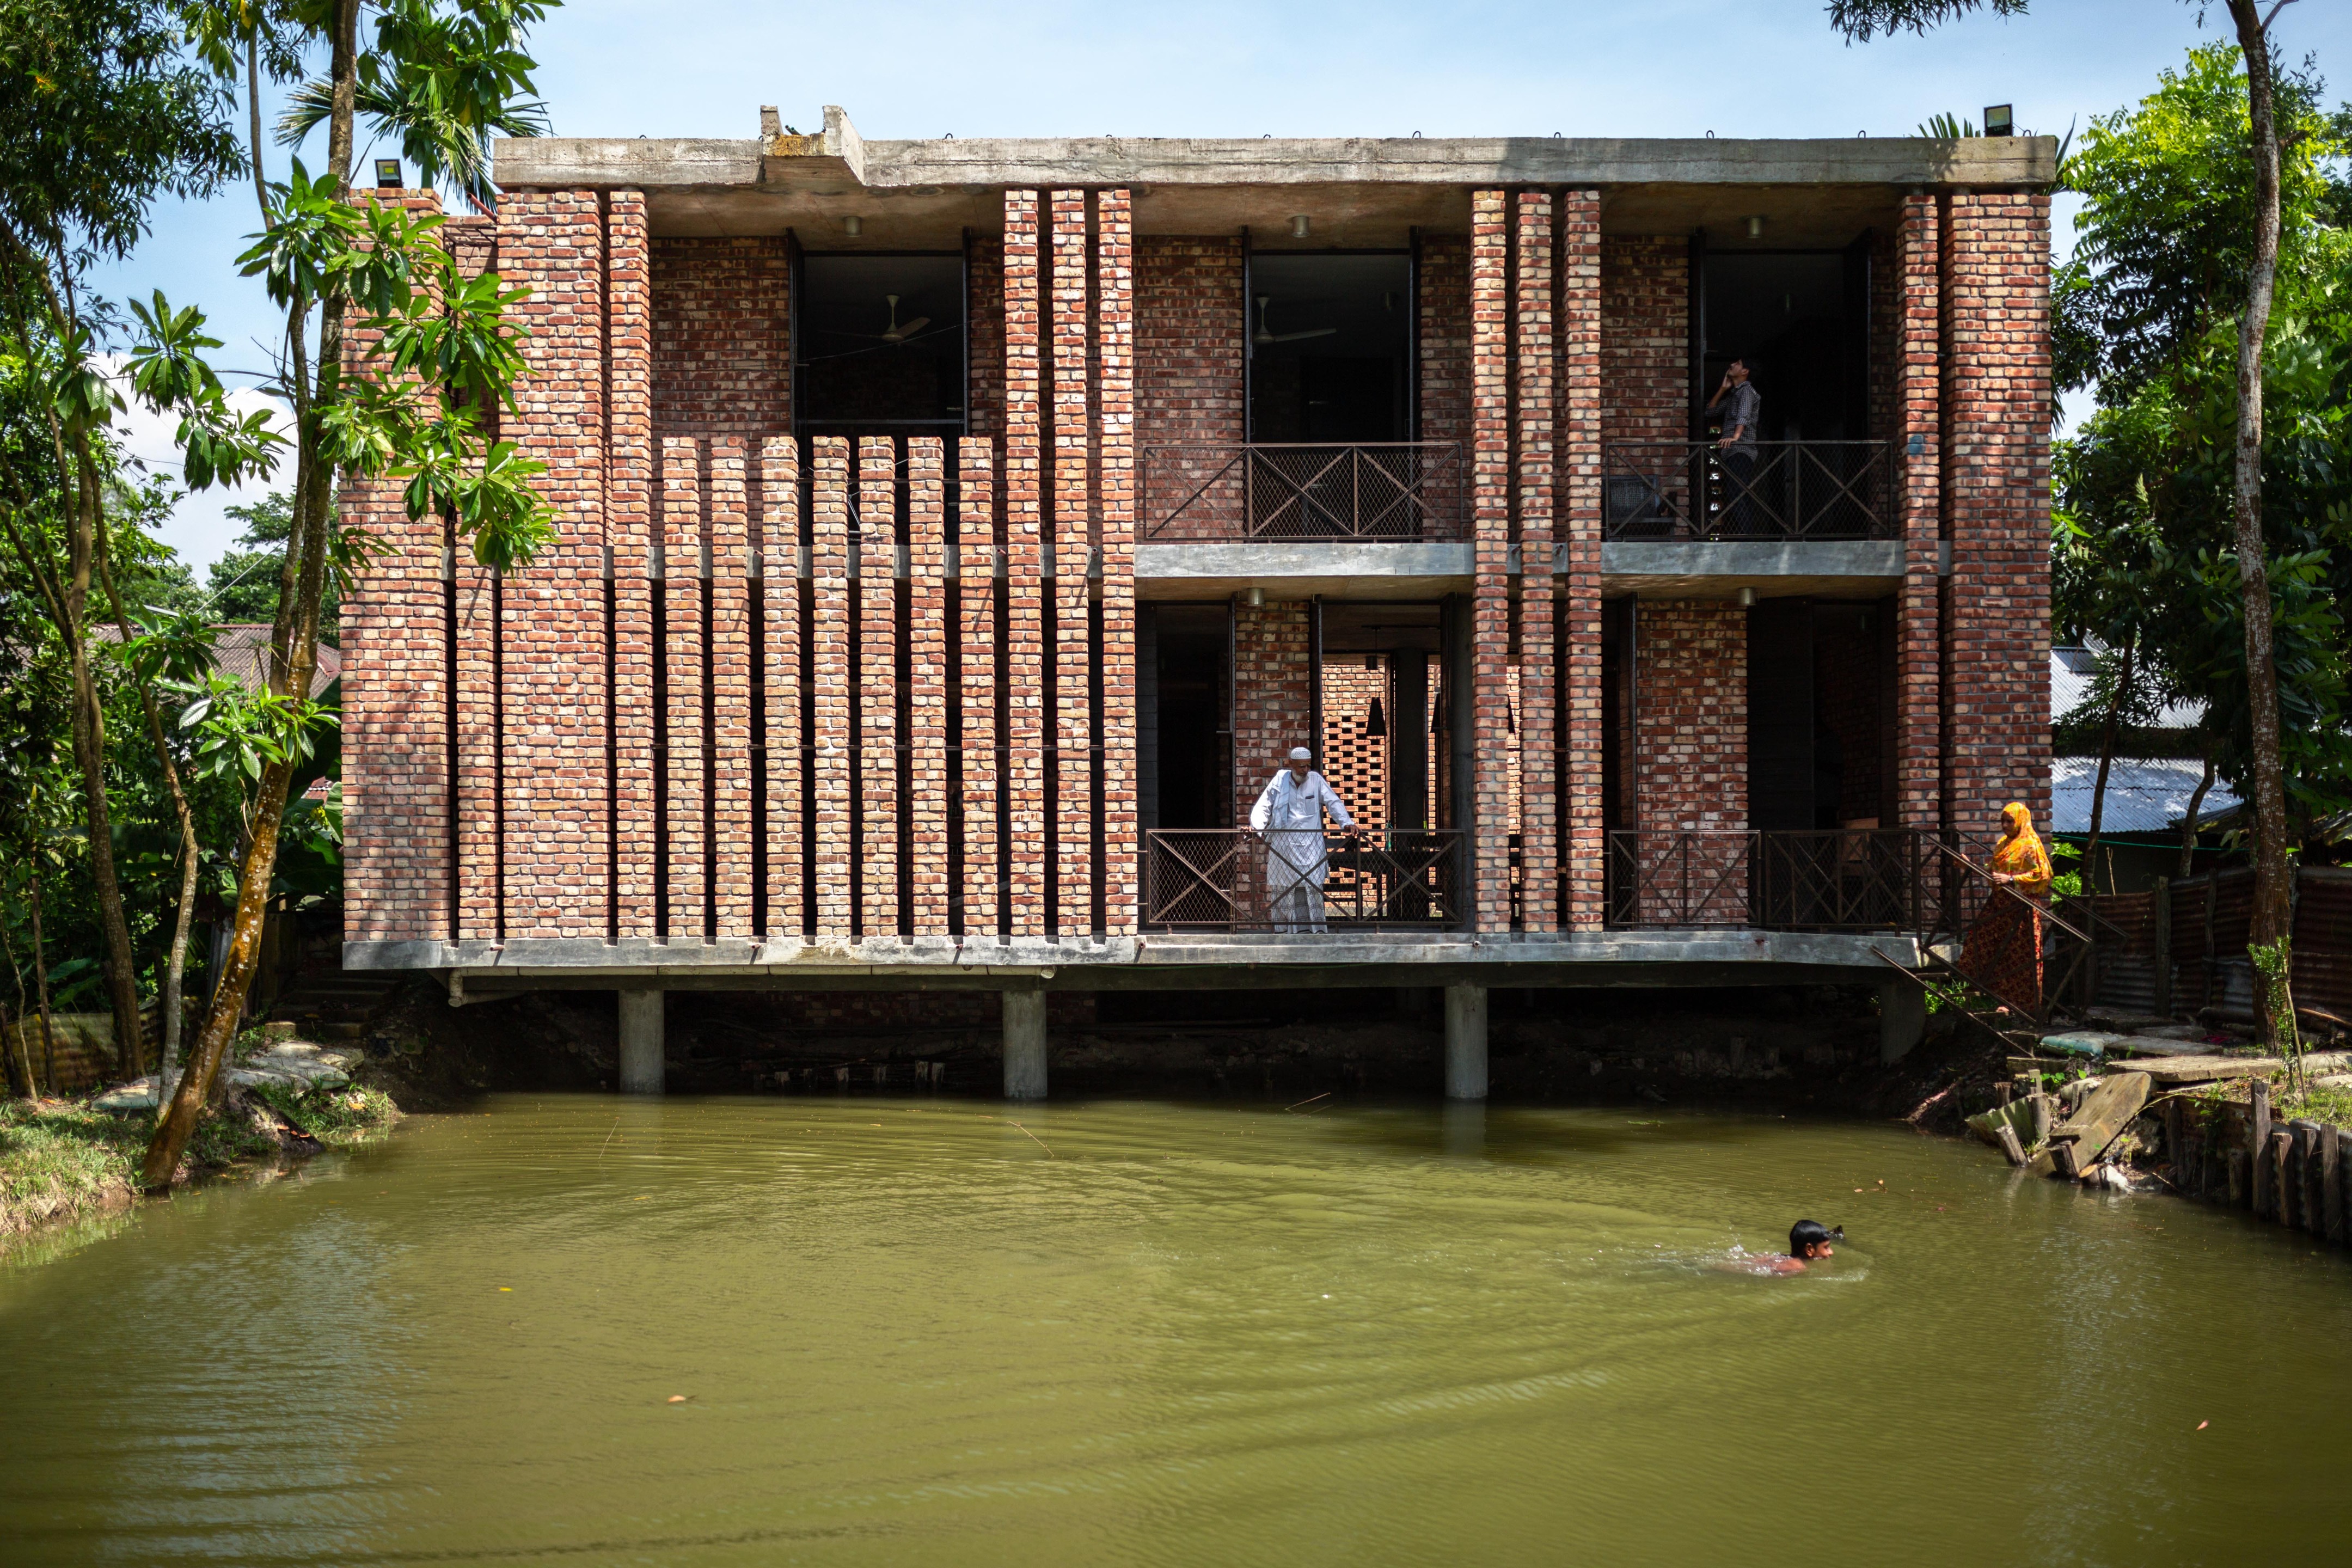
(1737, 449)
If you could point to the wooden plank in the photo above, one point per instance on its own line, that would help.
(2331, 1180)
(2274, 1171)
(2077, 1142)
(2291, 1170)
(2010, 1145)
(2174, 1071)
(2315, 1188)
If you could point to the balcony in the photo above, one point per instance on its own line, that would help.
(1397, 493)
(1233, 880)
(1796, 490)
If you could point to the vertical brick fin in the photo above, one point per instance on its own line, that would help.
(1117, 488)
(927, 676)
(631, 529)
(552, 656)
(477, 749)
(395, 736)
(1072, 649)
(1691, 692)
(731, 607)
(877, 632)
(1490, 483)
(1537, 371)
(976, 595)
(779, 604)
(1999, 432)
(1919, 394)
(683, 849)
(1577, 589)
(1025, 630)
(831, 675)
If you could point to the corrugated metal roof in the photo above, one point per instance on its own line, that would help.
(2143, 796)
(2072, 673)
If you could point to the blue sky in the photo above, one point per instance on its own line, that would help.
(1021, 68)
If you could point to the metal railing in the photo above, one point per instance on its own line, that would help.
(1404, 490)
(1300, 880)
(1794, 490)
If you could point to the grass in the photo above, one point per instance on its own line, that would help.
(62, 1161)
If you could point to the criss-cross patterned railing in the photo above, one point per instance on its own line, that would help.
(1233, 880)
(1401, 491)
(1791, 489)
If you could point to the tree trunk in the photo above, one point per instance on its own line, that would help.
(41, 985)
(293, 645)
(89, 757)
(2189, 823)
(2273, 873)
(2106, 759)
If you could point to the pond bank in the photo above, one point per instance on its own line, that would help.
(67, 1159)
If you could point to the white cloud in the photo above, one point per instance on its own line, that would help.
(199, 528)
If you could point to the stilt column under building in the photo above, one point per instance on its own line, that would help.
(641, 1042)
(1901, 1017)
(1465, 1042)
(1024, 1044)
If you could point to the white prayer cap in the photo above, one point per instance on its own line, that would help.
(1301, 754)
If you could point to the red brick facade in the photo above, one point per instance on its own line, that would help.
(773, 688)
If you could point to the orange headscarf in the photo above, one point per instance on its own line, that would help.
(2021, 854)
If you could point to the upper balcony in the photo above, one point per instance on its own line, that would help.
(1789, 491)
(1342, 492)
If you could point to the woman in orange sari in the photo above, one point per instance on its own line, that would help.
(2004, 954)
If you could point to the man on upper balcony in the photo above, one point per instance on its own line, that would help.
(1737, 449)
(1289, 816)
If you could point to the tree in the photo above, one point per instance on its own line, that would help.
(437, 350)
(2273, 867)
(100, 115)
(244, 582)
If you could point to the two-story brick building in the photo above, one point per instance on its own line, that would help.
(956, 534)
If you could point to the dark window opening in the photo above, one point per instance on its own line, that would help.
(1190, 722)
(878, 345)
(1821, 714)
(1800, 321)
(1330, 339)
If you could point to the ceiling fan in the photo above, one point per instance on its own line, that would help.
(895, 333)
(1265, 336)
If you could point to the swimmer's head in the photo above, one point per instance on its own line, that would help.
(1811, 1238)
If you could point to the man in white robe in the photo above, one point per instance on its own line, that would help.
(1289, 817)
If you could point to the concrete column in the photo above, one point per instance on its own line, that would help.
(1901, 1017)
(641, 1042)
(1465, 1042)
(1024, 1044)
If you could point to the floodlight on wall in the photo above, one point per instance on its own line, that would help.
(1754, 229)
(1254, 598)
(1999, 121)
(1746, 598)
(1298, 225)
(853, 226)
(388, 175)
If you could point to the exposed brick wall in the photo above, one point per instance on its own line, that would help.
(1690, 707)
(1644, 338)
(1582, 395)
(686, 842)
(631, 528)
(721, 331)
(1354, 763)
(1072, 649)
(779, 602)
(726, 526)
(1025, 631)
(1117, 495)
(830, 677)
(1271, 694)
(1997, 421)
(927, 681)
(1190, 378)
(876, 784)
(985, 337)
(1490, 500)
(982, 764)
(1445, 369)
(1884, 407)
(1917, 289)
(1536, 416)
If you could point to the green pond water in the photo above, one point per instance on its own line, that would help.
(911, 1332)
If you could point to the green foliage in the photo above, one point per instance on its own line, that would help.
(338, 1118)
(1859, 20)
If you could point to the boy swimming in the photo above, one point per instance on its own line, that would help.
(1808, 1239)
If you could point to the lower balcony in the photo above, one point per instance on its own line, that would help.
(1297, 881)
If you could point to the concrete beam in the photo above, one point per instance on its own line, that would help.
(1024, 1044)
(1718, 569)
(642, 1042)
(840, 156)
(1465, 1042)
(1302, 571)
